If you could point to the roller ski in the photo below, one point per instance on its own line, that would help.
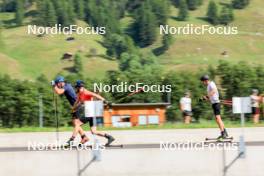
(222, 138)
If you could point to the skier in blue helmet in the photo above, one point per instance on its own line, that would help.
(61, 87)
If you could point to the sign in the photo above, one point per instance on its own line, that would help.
(93, 108)
(241, 105)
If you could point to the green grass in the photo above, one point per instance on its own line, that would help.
(193, 51)
(26, 56)
(202, 124)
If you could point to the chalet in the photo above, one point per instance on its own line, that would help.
(134, 114)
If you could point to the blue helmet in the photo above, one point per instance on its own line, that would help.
(59, 79)
(79, 83)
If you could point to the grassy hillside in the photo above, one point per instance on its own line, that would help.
(27, 56)
(195, 51)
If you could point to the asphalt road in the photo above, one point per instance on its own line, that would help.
(141, 154)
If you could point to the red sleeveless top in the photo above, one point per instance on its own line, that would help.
(85, 96)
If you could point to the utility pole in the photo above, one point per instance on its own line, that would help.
(40, 111)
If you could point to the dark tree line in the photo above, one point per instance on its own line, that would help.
(19, 99)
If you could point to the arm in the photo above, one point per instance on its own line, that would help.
(58, 90)
(212, 92)
(181, 107)
(96, 95)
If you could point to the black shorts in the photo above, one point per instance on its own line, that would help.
(255, 110)
(187, 113)
(78, 113)
(217, 108)
(87, 119)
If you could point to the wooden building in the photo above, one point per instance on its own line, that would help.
(134, 114)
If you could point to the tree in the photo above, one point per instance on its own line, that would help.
(19, 17)
(226, 15)
(79, 9)
(102, 13)
(50, 14)
(78, 66)
(8, 6)
(144, 26)
(183, 10)
(161, 8)
(70, 12)
(240, 4)
(117, 44)
(212, 13)
(61, 12)
(192, 4)
(46, 13)
(175, 3)
(166, 41)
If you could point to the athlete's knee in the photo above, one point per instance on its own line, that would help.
(75, 122)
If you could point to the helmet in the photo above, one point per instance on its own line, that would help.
(204, 78)
(59, 79)
(79, 83)
(255, 91)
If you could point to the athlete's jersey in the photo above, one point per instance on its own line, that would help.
(70, 93)
(214, 98)
(84, 96)
(186, 103)
(255, 101)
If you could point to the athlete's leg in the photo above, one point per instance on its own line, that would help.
(220, 122)
(98, 133)
(256, 118)
(78, 128)
(109, 138)
(187, 119)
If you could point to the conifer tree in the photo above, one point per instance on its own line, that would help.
(20, 11)
(145, 25)
(50, 17)
(226, 15)
(192, 4)
(212, 13)
(183, 10)
(79, 8)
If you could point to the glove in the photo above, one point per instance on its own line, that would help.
(52, 83)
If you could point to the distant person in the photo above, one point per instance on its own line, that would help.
(213, 97)
(186, 107)
(61, 87)
(82, 96)
(255, 104)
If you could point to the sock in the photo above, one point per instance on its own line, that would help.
(83, 136)
(72, 138)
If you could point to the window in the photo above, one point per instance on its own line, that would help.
(153, 119)
(121, 121)
(142, 120)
